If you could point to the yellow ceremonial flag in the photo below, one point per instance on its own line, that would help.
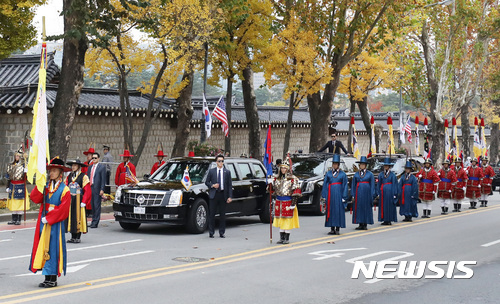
(354, 141)
(39, 152)
(477, 140)
(373, 147)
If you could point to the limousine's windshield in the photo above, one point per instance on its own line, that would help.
(174, 171)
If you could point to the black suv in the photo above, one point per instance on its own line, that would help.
(311, 170)
(163, 199)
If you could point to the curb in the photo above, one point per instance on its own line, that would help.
(33, 215)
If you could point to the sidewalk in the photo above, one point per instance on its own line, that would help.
(32, 215)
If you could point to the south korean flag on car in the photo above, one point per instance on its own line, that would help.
(186, 180)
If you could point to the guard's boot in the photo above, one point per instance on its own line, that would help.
(485, 203)
(337, 230)
(459, 207)
(18, 219)
(52, 282)
(455, 207)
(287, 238)
(282, 238)
(409, 219)
(445, 210)
(47, 279)
(332, 231)
(442, 211)
(471, 205)
(360, 227)
(14, 219)
(428, 213)
(425, 214)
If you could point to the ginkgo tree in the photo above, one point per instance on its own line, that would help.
(292, 59)
(17, 32)
(239, 36)
(368, 72)
(175, 34)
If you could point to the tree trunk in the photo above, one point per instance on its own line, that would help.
(251, 113)
(437, 133)
(351, 113)
(365, 115)
(289, 121)
(378, 136)
(229, 97)
(71, 81)
(126, 114)
(320, 110)
(184, 115)
(494, 138)
(465, 130)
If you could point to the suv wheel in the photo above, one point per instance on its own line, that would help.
(319, 207)
(130, 226)
(265, 214)
(198, 217)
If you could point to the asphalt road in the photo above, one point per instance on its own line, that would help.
(161, 264)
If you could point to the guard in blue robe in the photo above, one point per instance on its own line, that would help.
(363, 193)
(387, 190)
(335, 192)
(408, 185)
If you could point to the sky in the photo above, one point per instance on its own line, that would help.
(54, 24)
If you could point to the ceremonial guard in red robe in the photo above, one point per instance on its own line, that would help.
(120, 177)
(458, 192)
(160, 161)
(445, 186)
(427, 178)
(88, 153)
(49, 246)
(475, 177)
(79, 186)
(286, 189)
(488, 174)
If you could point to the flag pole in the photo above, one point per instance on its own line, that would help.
(203, 135)
(270, 198)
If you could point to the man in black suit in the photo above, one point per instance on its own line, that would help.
(334, 145)
(220, 193)
(97, 177)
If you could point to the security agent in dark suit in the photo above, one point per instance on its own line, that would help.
(97, 177)
(334, 145)
(220, 193)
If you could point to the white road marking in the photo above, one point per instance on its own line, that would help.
(7, 240)
(68, 270)
(111, 257)
(323, 254)
(490, 243)
(74, 249)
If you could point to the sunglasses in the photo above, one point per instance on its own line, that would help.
(220, 161)
(95, 157)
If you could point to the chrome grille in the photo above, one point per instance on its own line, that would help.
(147, 216)
(143, 198)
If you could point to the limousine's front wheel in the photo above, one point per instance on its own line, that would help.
(198, 217)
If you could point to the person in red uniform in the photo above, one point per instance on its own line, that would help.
(120, 171)
(87, 153)
(427, 178)
(488, 174)
(475, 176)
(445, 186)
(159, 163)
(49, 245)
(79, 186)
(458, 192)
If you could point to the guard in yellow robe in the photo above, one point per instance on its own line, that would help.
(286, 189)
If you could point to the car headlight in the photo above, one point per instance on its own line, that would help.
(118, 194)
(175, 198)
(310, 187)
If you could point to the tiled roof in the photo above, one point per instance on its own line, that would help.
(21, 70)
